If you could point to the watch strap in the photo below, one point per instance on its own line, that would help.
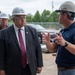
(66, 44)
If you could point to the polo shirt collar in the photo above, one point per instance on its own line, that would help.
(70, 27)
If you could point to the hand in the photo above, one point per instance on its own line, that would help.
(2, 72)
(39, 69)
(45, 38)
(59, 39)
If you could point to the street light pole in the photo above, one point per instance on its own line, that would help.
(52, 10)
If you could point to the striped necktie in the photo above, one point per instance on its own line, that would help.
(22, 48)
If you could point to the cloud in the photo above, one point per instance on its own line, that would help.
(30, 6)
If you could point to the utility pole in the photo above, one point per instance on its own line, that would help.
(52, 10)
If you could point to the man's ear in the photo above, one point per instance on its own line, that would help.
(13, 19)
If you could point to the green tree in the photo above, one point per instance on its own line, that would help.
(45, 16)
(53, 17)
(29, 18)
(37, 17)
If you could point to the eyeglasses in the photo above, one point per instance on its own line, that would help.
(62, 12)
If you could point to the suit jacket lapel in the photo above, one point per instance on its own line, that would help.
(26, 36)
(13, 34)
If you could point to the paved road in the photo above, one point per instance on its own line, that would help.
(49, 65)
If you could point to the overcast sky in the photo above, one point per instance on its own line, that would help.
(30, 6)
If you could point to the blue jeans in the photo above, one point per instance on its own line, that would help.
(67, 72)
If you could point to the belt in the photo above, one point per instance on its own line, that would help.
(66, 68)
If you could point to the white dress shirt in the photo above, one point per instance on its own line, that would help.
(23, 34)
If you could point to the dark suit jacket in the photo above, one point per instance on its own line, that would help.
(10, 55)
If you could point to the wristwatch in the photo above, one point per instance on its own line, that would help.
(66, 44)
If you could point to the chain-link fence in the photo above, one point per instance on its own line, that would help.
(48, 25)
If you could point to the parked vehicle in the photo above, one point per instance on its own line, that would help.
(41, 29)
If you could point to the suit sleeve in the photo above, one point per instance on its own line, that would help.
(2, 51)
(38, 51)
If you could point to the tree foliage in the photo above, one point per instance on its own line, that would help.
(37, 17)
(29, 18)
(54, 17)
(45, 16)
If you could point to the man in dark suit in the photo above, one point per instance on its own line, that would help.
(20, 51)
